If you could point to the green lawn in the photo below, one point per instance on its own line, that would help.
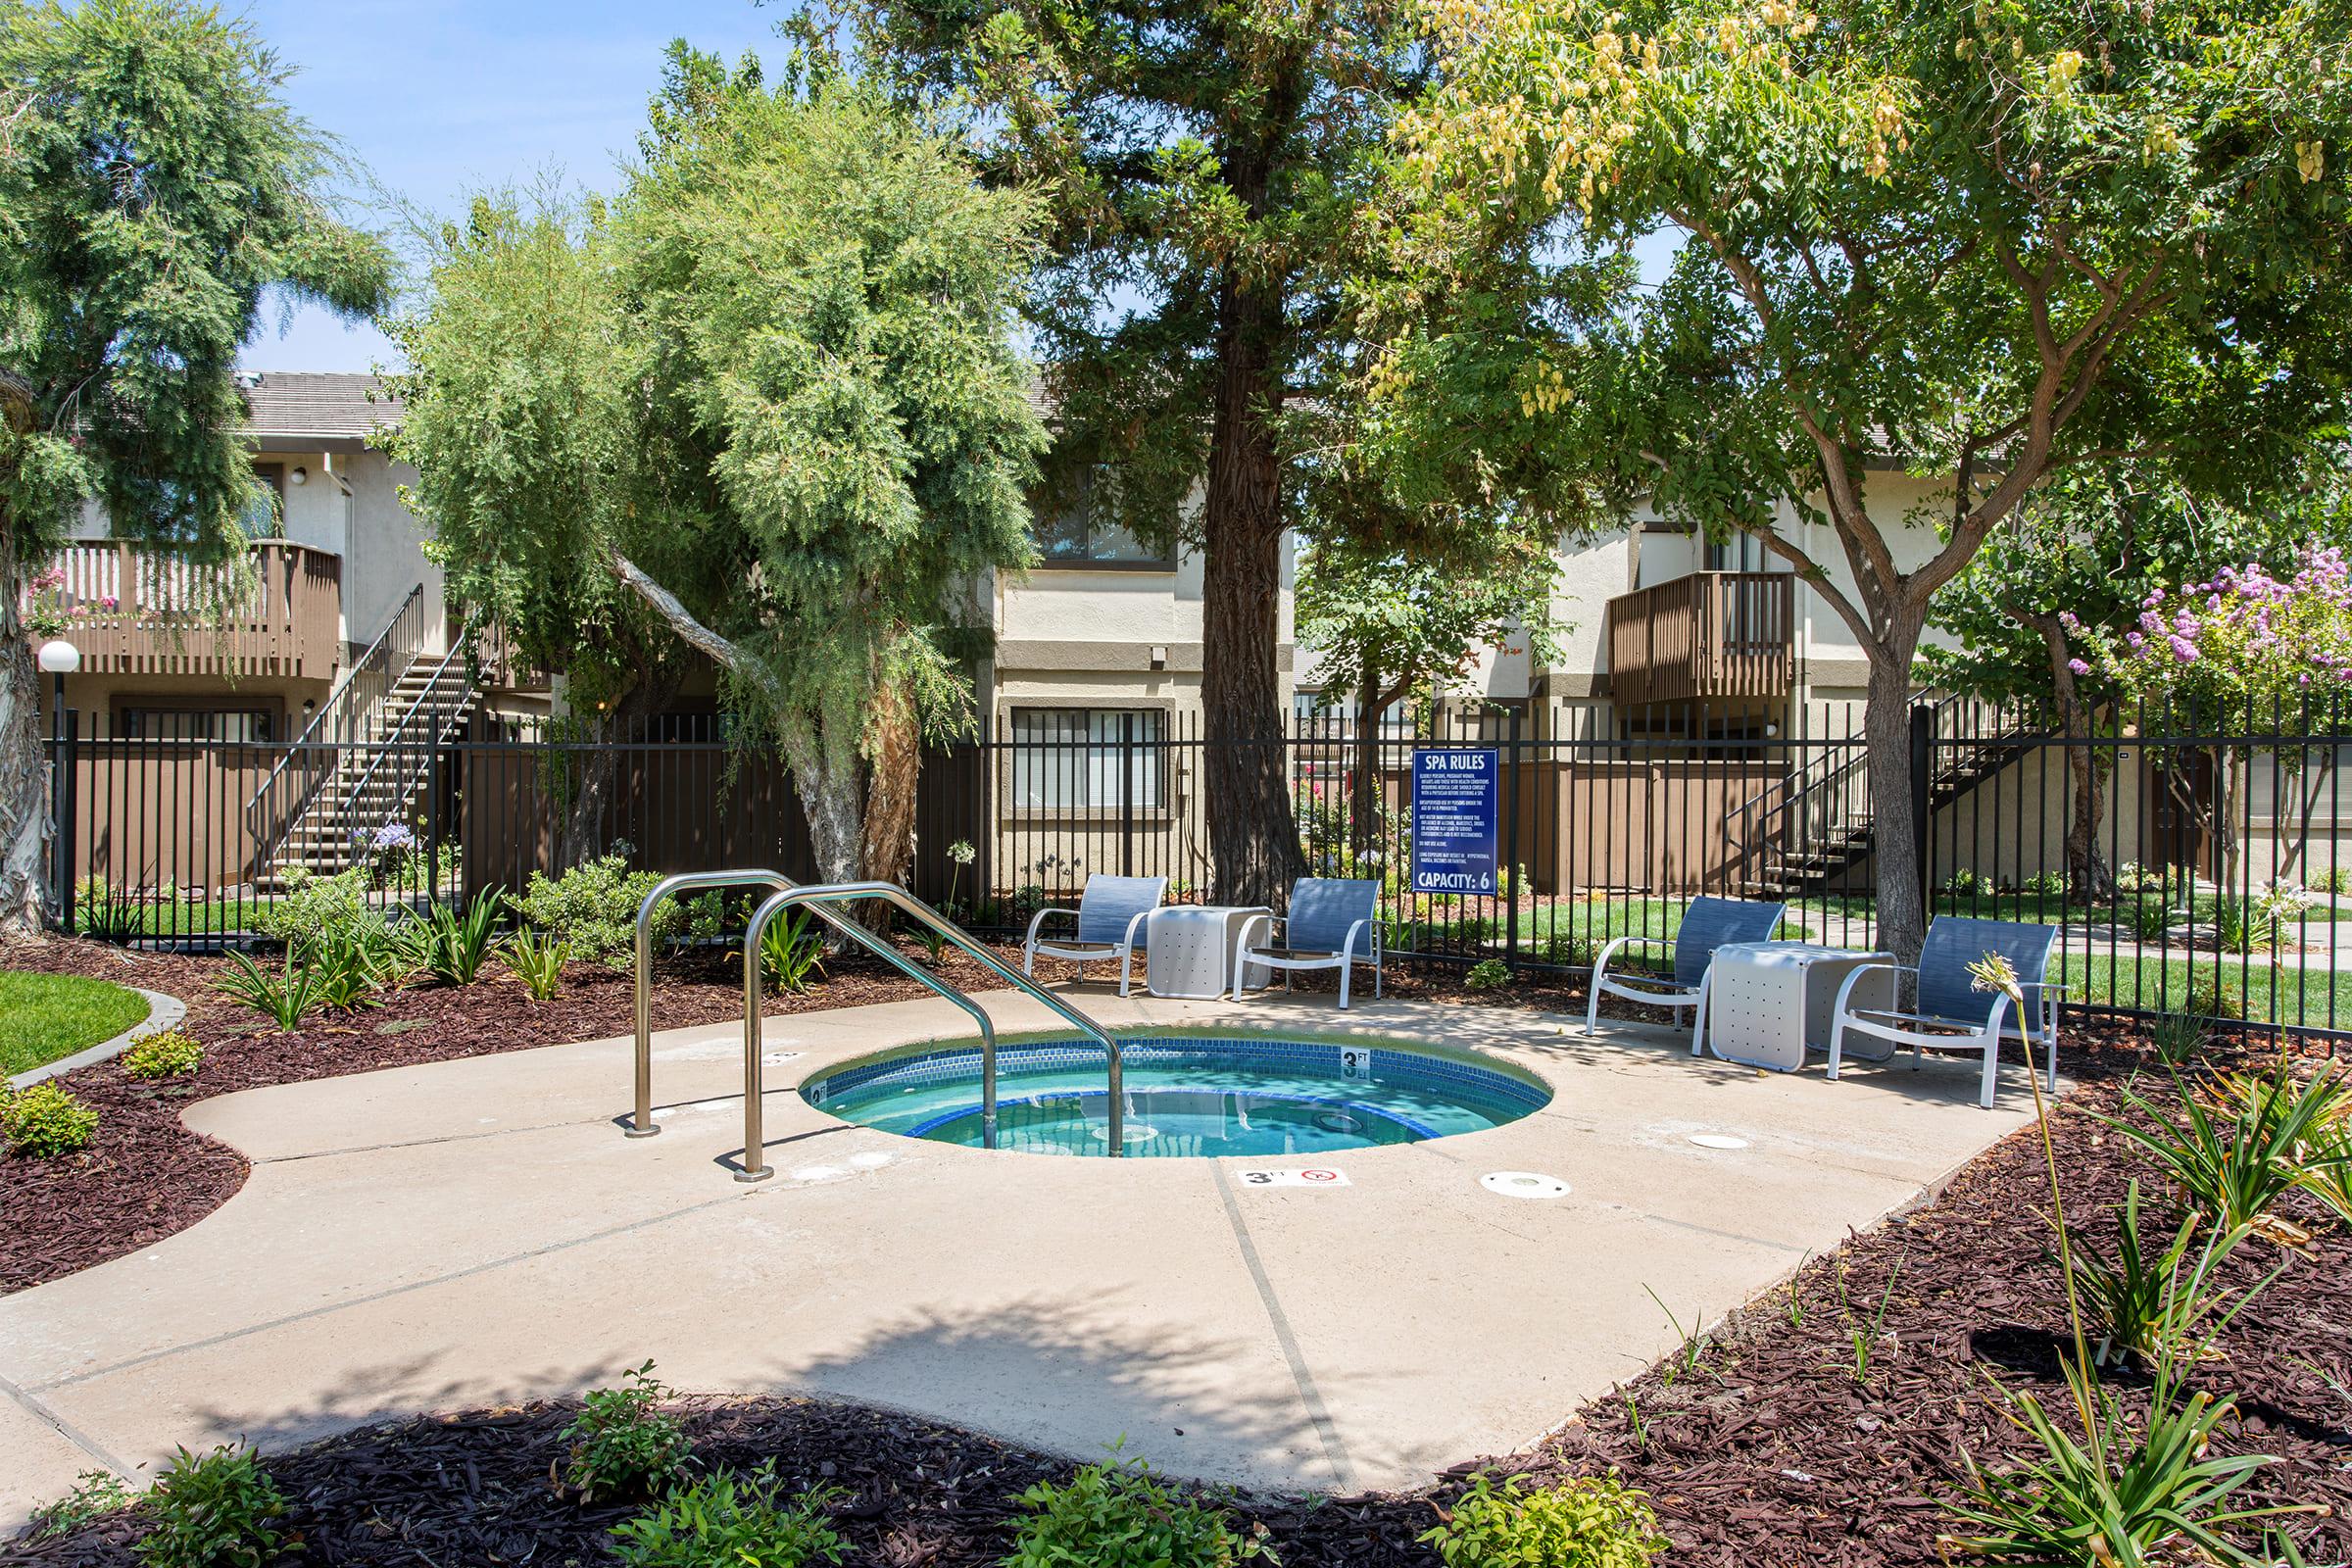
(45, 1016)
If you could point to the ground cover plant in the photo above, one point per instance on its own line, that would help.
(51, 1015)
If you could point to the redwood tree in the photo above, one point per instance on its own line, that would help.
(1209, 169)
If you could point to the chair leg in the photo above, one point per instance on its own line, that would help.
(1993, 1065)
(1837, 1045)
(1699, 1015)
(1374, 979)
(1347, 971)
(1028, 962)
(1126, 969)
(1592, 1006)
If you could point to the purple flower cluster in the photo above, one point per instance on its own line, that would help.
(2249, 627)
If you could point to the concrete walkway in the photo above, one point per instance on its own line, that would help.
(476, 1232)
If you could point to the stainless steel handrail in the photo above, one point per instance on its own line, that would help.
(641, 1124)
(816, 898)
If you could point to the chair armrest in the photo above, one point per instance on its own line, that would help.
(1609, 950)
(1348, 947)
(1271, 922)
(1846, 987)
(1040, 919)
(1134, 925)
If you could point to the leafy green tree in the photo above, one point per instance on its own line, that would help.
(2088, 548)
(1987, 242)
(530, 451)
(1208, 169)
(152, 188)
(782, 417)
(1387, 625)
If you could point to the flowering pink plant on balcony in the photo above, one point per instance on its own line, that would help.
(43, 606)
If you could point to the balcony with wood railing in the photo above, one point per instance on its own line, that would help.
(135, 612)
(1710, 636)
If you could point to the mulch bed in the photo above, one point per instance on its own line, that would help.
(145, 1175)
(1765, 1450)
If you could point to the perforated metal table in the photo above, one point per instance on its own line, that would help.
(1768, 1003)
(1188, 949)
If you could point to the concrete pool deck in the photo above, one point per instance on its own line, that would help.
(478, 1232)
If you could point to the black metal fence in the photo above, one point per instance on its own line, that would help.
(2209, 875)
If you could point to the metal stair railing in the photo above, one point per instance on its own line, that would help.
(395, 739)
(320, 748)
(818, 899)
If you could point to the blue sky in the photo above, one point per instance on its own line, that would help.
(439, 97)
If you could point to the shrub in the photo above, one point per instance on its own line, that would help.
(2128, 1499)
(45, 1120)
(96, 1494)
(1590, 1523)
(538, 962)
(1575, 953)
(1117, 1516)
(592, 909)
(790, 951)
(283, 998)
(1967, 884)
(456, 946)
(2176, 1036)
(163, 1055)
(623, 1444)
(1489, 974)
(2140, 1303)
(2150, 918)
(212, 1510)
(721, 1522)
(106, 914)
(2238, 1152)
(316, 909)
(2335, 880)
(348, 967)
(2212, 996)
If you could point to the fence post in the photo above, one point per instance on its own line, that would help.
(1126, 794)
(432, 813)
(62, 811)
(1508, 800)
(1923, 773)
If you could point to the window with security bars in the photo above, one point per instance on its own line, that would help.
(1087, 758)
(245, 725)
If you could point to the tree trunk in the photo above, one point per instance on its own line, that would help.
(1365, 796)
(824, 768)
(600, 763)
(894, 769)
(2086, 867)
(1894, 825)
(1253, 832)
(23, 774)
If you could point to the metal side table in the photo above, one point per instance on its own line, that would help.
(1187, 949)
(1768, 1003)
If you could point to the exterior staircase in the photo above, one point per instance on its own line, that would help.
(363, 761)
(376, 783)
(1810, 833)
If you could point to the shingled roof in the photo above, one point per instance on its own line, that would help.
(282, 405)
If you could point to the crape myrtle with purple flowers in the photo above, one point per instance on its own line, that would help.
(2244, 652)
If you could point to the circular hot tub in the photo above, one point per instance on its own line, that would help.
(1185, 1096)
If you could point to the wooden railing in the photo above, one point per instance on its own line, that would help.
(156, 614)
(1709, 635)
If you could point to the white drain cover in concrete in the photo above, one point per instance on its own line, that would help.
(1718, 1140)
(1524, 1183)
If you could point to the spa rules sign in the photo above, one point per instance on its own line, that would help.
(1457, 804)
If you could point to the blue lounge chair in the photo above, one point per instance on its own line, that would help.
(1111, 914)
(1707, 924)
(1333, 923)
(1950, 1012)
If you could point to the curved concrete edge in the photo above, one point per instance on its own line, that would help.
(162, 1012)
